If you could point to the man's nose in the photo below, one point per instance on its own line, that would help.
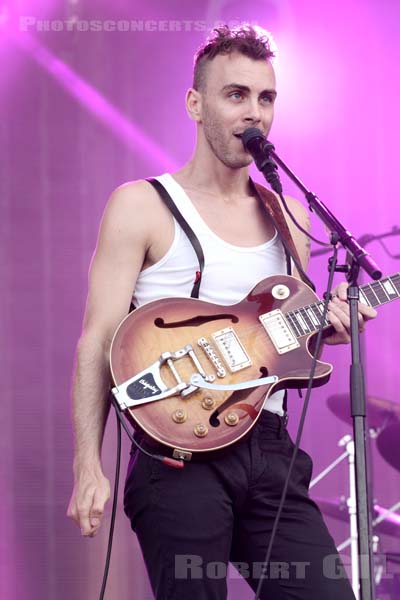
(253, 112)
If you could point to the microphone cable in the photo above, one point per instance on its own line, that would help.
(114, 510)
(259, 147)
(327, 297)
(171, 462)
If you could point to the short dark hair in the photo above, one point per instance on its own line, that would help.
(223, 40)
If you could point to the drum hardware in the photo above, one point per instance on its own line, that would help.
(384, 426)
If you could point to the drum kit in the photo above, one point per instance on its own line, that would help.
(384, 429)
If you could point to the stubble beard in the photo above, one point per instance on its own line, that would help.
(221, 144)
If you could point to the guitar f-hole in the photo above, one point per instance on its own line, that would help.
(195, 321)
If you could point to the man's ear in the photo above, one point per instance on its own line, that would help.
(193, 104)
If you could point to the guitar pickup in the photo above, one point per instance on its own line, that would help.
(279, 331)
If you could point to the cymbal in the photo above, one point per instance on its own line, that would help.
(337, 508)
(388, 443)
(380, 412)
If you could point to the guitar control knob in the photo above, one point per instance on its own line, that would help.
(179, 415)
(208, 403)
(200, 430)
(280, 292)
(231, 419)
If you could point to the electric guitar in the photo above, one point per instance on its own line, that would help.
(195, 375)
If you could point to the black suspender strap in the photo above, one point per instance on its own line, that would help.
(193, 239)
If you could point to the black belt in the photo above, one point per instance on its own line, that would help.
(278, 422)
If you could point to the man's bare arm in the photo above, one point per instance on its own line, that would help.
(118, 258)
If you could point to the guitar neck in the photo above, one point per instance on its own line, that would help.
(307, 319)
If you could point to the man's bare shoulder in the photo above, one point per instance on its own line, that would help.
(296, 208)
(301, 215)
(132, 221)
(133, 196)
(301, 241)
(299, 211)
(132, 207)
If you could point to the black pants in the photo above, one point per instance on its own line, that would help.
(191, 523)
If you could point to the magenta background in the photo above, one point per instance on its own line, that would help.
(63, 150)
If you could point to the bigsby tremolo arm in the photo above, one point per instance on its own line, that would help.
(199, 382)
(148, 385)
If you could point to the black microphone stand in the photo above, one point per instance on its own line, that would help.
(359, 259)
(365, 239)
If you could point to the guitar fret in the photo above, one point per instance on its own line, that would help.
(305, 316)
(363, 298)
(327, 321)
(302, 321)
(395, 280)
(298, 323)
(389, 288)
(321, 310)
(370, 295)
(293, 324)
(317, 313)
(312, 317)
(379, 292)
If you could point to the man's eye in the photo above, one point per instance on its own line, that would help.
(267, 99)
(236, 95)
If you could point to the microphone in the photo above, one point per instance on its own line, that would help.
(259, 147)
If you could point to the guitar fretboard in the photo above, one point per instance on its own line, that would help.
(307, 319)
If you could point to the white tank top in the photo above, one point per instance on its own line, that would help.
(230, 272)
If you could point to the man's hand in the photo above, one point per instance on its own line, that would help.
(339, 316)
(90, 494)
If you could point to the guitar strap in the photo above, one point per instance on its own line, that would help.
(270, 202)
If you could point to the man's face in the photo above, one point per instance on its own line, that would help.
(239, 93)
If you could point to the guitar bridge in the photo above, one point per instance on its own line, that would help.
(231, 349)
(148, 385)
